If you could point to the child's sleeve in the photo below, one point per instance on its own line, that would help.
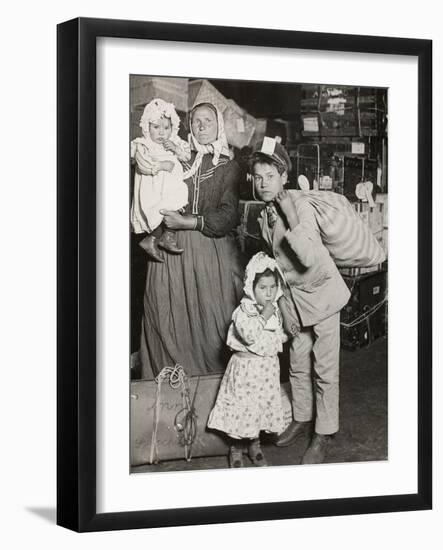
(142, 158)
(280, 332)
(283, 337)
(303, 238)
(248, 324)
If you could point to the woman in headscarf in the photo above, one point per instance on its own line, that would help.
(189, 299)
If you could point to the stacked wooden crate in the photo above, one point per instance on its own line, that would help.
(340, 111)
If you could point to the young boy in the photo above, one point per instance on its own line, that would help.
(316, 289)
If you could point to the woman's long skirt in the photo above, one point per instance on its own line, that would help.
(188, 304)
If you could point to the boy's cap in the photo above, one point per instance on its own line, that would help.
(274, 151)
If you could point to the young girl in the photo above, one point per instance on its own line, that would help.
(249, 397)
(158, 182)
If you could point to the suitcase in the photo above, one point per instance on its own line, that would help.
(161, 417)
(364, 318)
(158, 419)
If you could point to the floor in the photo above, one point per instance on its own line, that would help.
(363, 431)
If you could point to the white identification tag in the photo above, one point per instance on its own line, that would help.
(268, 146)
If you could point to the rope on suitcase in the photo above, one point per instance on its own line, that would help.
(365, 315)
(186, 426)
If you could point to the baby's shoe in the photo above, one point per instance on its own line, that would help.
(168, 241)
(149, 245)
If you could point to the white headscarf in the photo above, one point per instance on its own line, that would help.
(258, 264)
(216, 148)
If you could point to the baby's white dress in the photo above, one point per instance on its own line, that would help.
(165, 190)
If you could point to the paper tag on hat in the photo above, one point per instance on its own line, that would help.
(268, 146)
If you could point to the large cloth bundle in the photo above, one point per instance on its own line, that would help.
(202, 91)
(239, 125)
(347, 237)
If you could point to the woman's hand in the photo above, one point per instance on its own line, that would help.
(174, 220)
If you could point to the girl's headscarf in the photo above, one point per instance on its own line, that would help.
(216, 148)
(258, 264)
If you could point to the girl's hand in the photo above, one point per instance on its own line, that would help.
(169, 146)
(268, 311)
(174, 220)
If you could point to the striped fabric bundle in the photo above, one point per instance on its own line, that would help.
(349, 240)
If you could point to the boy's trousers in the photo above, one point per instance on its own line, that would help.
(314, 374)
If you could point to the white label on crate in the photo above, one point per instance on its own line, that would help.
(336, 105)
(310, 124)
(268, 146)
(357, 148)
(376, 290)
(240, 125)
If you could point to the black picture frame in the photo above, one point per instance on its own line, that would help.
(76, 264)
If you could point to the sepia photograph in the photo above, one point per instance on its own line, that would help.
(258, 215)
(244, 275)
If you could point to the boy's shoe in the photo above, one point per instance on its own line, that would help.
(149, 245)
(292, 433)
(168, 241)
(316, 452)
(256, 454)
